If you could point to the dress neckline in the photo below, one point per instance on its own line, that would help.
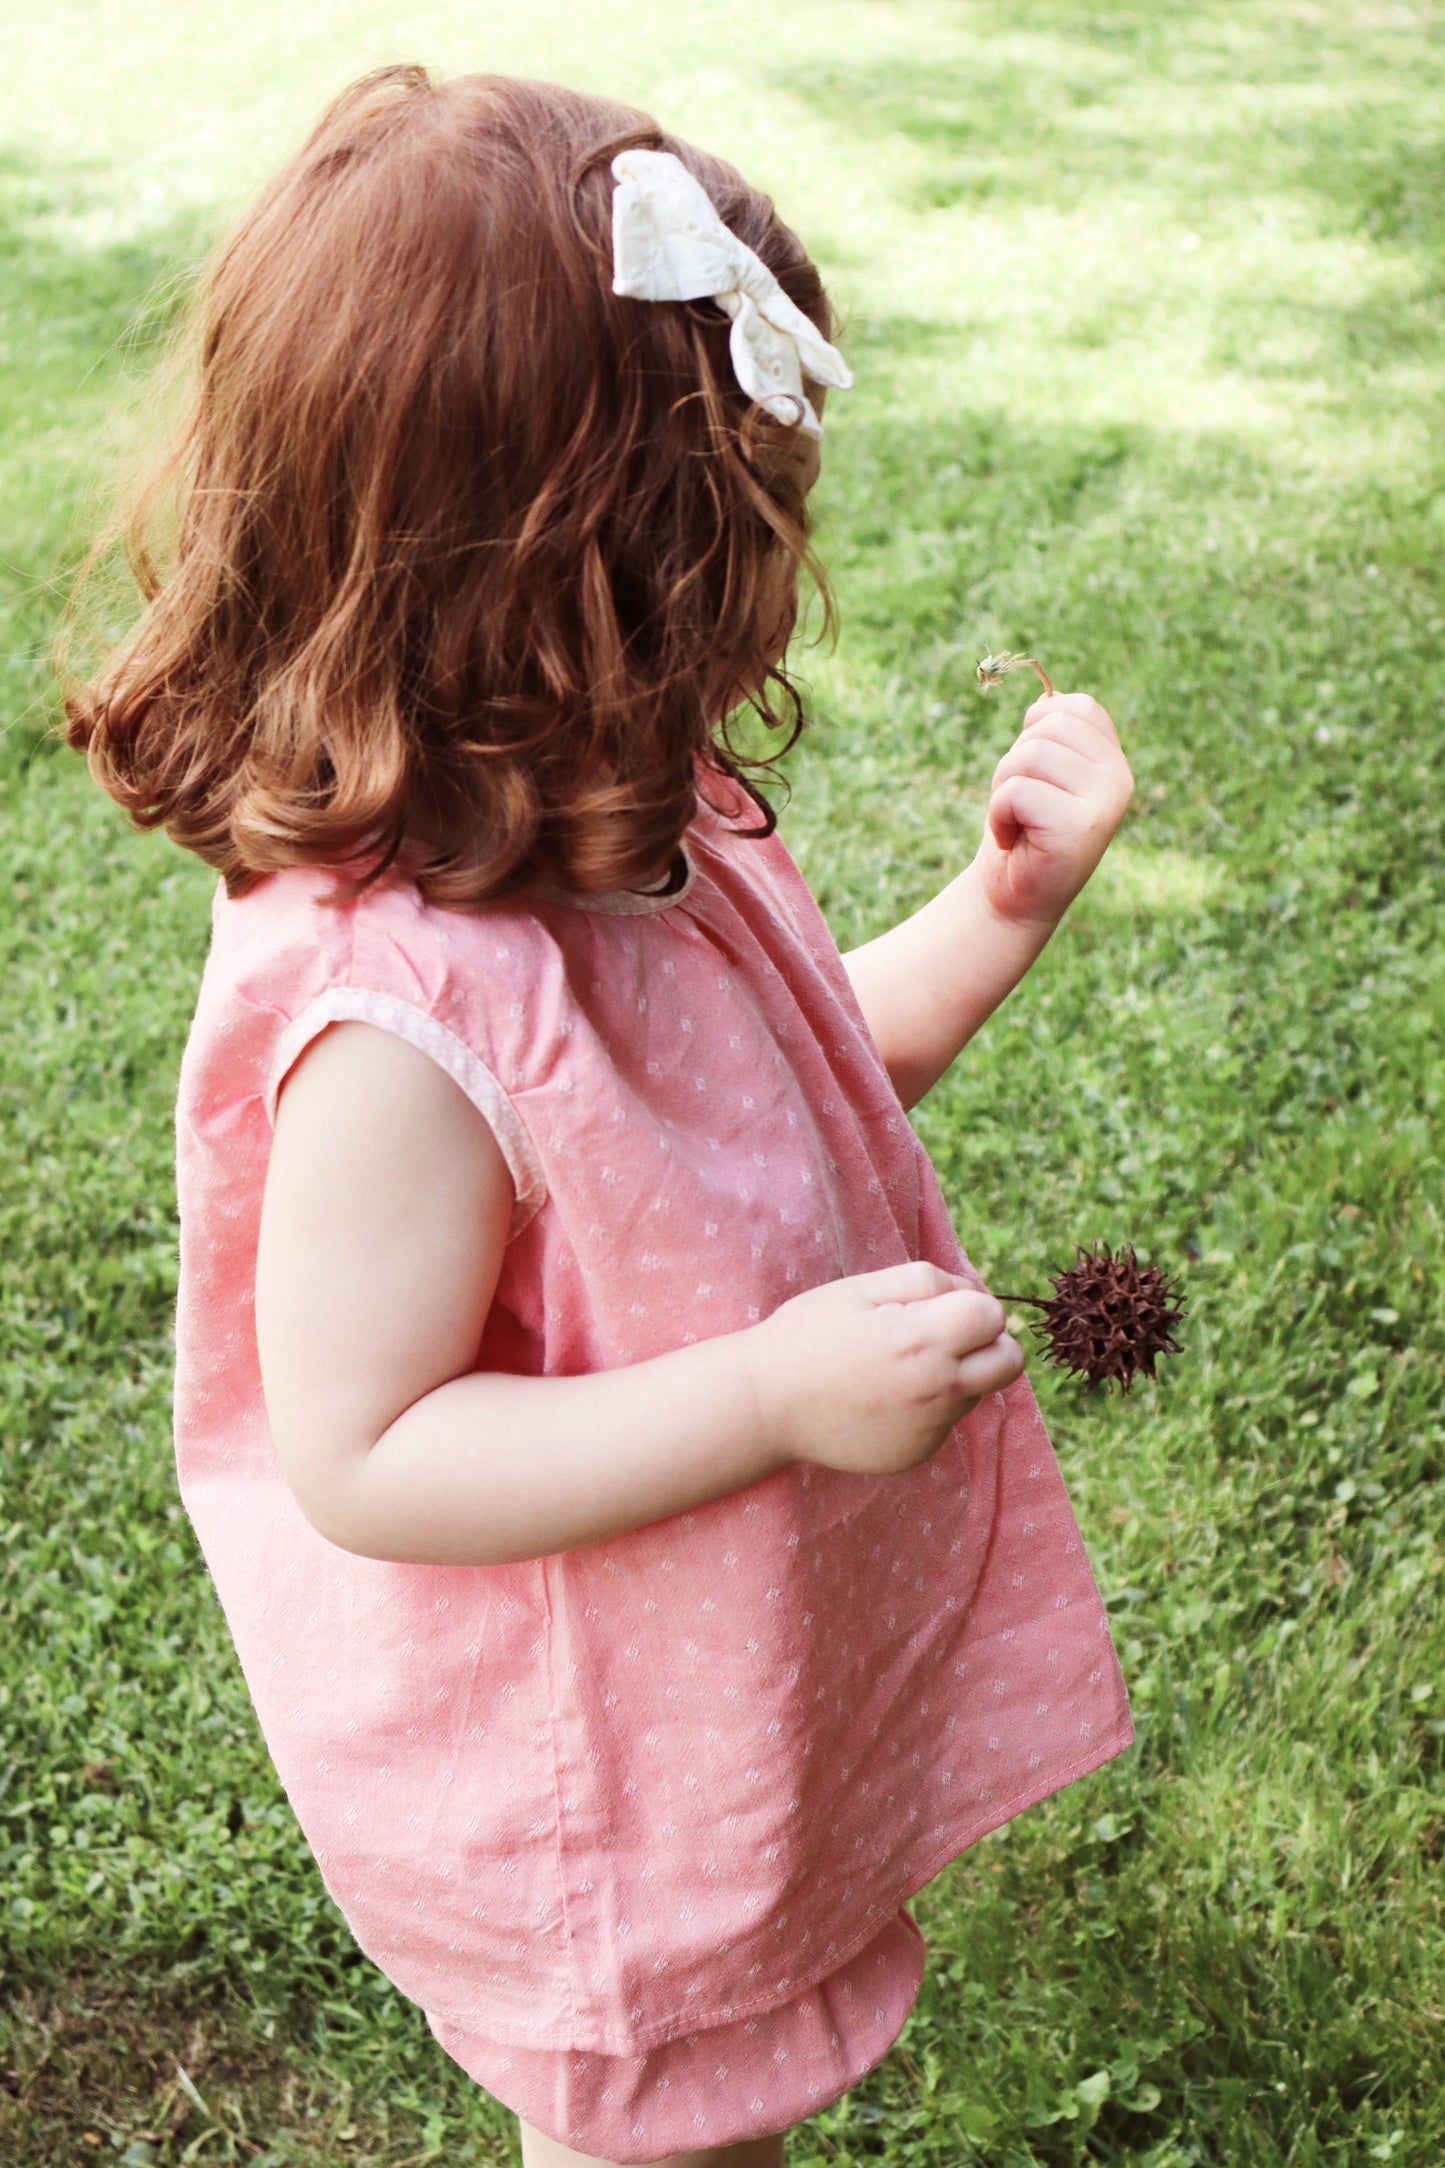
(624, 901)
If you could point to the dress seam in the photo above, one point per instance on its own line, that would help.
(569, 1946)
(416, 1026)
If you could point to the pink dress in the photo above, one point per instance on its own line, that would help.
(634, 1823)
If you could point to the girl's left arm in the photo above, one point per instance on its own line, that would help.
(1057, 797)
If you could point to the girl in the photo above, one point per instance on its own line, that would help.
(646, 1559)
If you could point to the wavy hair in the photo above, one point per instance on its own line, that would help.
(471, 560)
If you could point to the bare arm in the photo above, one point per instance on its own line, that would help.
(382, 1237)
(926, 986)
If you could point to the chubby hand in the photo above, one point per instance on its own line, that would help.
(870, 1374)
(1057, 796)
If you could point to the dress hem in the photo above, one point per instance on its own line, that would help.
(644, 2038)
(781, 2096)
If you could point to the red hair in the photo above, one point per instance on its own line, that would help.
(473, 557)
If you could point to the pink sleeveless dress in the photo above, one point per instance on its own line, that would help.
(634, 1823)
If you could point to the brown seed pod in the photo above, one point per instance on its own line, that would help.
(1109, 1317)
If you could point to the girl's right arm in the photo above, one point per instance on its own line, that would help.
(382, 1235)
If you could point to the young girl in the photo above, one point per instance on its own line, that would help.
(646, 1559)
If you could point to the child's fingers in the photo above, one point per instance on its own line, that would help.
(1055, 728)
(1082, 705)
(916, 1282)
(960, 1322)
(1019, 804)
(1049, 761)
(989, 1369)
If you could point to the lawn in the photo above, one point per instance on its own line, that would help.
(1145, 304)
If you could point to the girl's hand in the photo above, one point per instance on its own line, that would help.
(870, 1374)
(1058, 794)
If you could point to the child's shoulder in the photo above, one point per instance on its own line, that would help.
(287, 959)
(293, 930)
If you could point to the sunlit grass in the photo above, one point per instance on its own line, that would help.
(1145, 306)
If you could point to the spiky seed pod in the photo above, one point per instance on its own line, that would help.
(1109, 1317)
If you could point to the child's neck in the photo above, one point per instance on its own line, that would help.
(660, 881)
(673, 874)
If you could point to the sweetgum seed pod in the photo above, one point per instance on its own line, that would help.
(1109, 1317)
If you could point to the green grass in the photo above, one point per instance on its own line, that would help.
(1145, 306)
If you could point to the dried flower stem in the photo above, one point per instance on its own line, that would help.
(995, 668)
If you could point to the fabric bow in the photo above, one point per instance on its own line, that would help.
(668, 244)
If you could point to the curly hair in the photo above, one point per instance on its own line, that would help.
(472, 560)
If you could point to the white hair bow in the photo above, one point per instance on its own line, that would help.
(668, 244)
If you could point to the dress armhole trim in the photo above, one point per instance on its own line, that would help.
(356, 1005)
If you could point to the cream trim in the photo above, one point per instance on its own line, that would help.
(620, 901)
(357, 1005)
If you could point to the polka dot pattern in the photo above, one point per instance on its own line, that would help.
(738, 2080)
(605, 1801)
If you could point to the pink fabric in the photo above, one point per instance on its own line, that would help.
(607, 1800)
(748, 2079)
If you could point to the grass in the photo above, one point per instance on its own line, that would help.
(1145, 306)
